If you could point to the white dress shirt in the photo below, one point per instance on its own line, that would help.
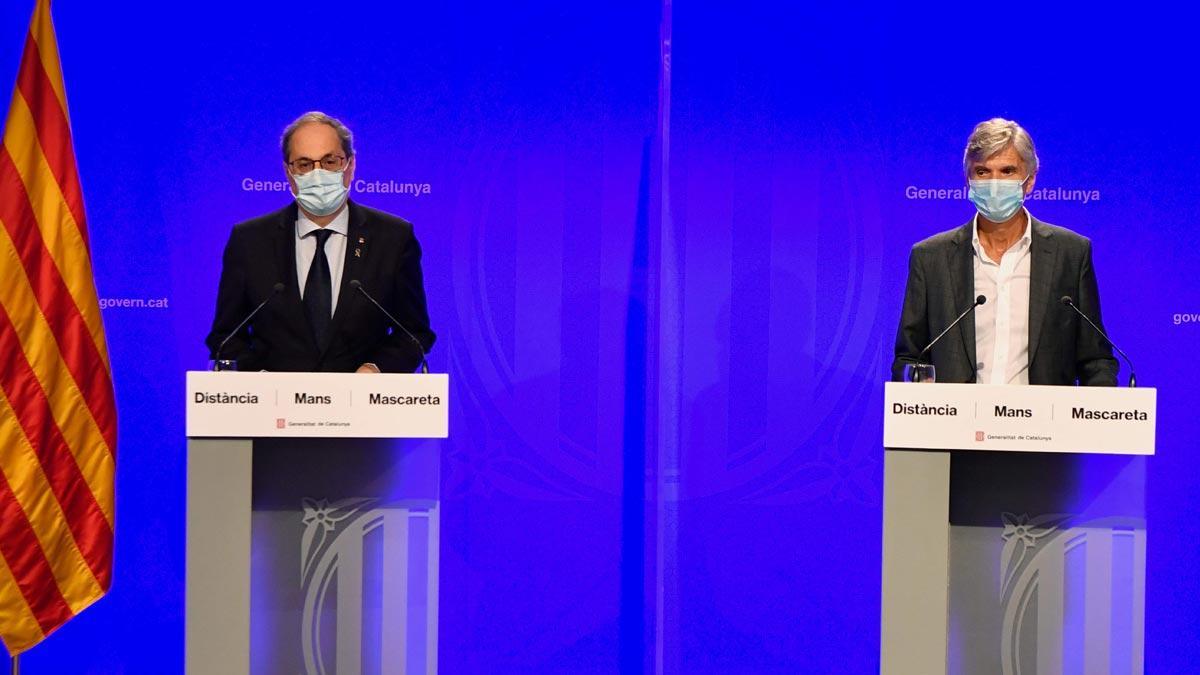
(335, 250)
(1002, 323)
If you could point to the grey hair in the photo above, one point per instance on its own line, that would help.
(995, 135)
(317, 117)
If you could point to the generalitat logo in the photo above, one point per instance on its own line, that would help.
(978, 436)
(280, 423)
(387, 186)
(1046, 194)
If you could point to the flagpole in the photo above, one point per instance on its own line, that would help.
(16, 665)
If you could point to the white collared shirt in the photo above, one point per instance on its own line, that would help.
(335, 249)
(1002, 323)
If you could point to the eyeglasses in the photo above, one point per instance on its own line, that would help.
(303, 165)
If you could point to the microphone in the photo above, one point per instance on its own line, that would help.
(275, 290)
(1066, 300)
(357, 285)
(979, 300)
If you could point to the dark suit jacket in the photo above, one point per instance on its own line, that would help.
(381, 252)
(1062, 348)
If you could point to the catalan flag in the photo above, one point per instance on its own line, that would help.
(58, 422)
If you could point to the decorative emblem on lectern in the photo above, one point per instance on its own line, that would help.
(1021, 535)
(320, 519)
(334, 560)
(1041, 559)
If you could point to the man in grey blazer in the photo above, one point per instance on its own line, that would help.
(1022, 333)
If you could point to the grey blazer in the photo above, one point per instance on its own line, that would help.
(1062, 348)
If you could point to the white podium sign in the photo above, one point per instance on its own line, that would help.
(1103, 420)
(317, 405)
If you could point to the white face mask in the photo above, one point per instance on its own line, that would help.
(321, 192)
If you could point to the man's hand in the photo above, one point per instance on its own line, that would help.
(368, 368)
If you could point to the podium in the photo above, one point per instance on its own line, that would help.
(312, 522)
(1014, 529)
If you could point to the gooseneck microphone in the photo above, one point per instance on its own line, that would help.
(357, 285)
(979, 300)
(275, 290)
(1066, 300)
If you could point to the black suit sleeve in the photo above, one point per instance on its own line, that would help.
(1094, 362)
(232, 306)
(397, 353)
(913, 333)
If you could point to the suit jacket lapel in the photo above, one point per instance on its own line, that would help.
(352, 265)
(1043, 266)
(285, 266)
(961, 263)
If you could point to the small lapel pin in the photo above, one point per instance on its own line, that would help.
(358, 253)
(362, 240)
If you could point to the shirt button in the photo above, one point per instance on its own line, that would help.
(979, 365)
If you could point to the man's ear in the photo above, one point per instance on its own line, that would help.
(348, 174)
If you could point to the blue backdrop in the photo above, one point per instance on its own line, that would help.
(664, 251)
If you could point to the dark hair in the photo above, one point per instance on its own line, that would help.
(317, 117)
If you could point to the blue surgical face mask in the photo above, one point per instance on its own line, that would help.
(321, 192)
(998, 199)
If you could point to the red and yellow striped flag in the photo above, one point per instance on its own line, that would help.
(58, 421)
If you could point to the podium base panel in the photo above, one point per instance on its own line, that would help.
(1042, 569)
(312, 555)
(916, 506)
(217, 625)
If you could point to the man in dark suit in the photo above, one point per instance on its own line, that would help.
(1022, 334)
(315, 247)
